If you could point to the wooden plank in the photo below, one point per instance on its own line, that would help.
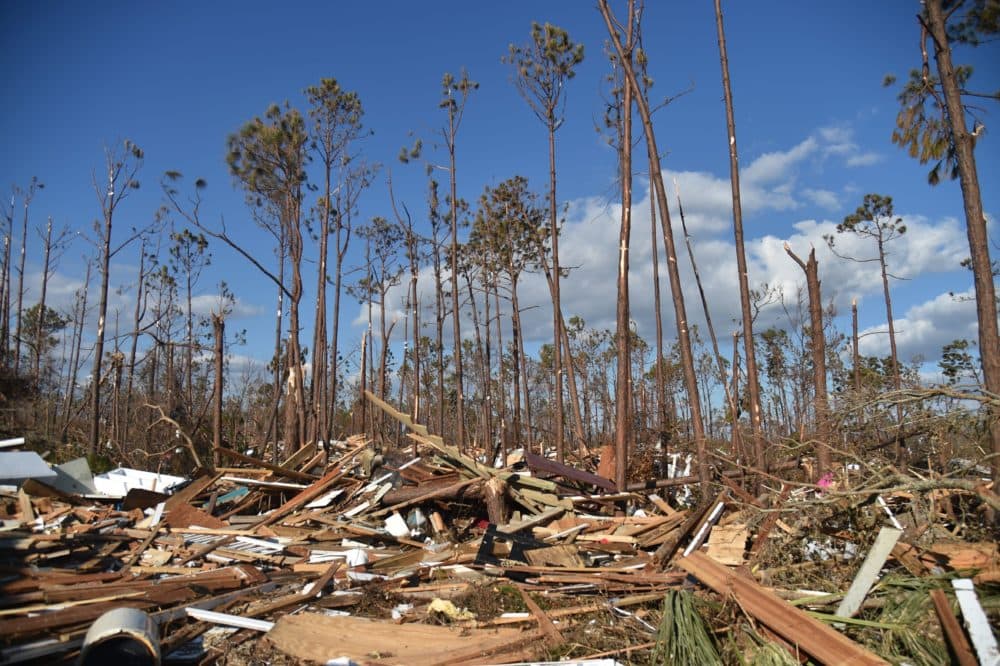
(315, 489)
(907, 555)
(543, 517)
(727, 544)
(185, 515)
(960, 647)
(257, 462)
(661, 504)
(822, 642)
(764, 531)
(190, 491)
(300, 456)
(314, 637)
(669, 547)
(976, 622)
(868, 573)
(710, 519)
(24, 503)
(558, 556)
(539, 464)
(440, 492)
(552, 636)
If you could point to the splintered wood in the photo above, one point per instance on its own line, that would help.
(523, 558)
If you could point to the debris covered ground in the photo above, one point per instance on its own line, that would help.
(430, 556)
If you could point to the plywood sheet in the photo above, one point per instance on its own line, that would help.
(320, 638)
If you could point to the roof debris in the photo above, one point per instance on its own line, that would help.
(404, 560)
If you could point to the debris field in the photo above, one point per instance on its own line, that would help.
(429, 555)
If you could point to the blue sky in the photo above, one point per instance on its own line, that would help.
(813, 126)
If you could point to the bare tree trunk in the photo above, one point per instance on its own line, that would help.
(734, 404)
(567, 363)
(521, 369)
(897, 383)
(411, 247)
(623, 402)
(753, 382)
(439, 331)
(41, 309)
(102, 309)
(219, 333)
(298, 434)
(137, 317)
(494, 408)
(277, 377)
(456, 313)
(505, 426)
(484, 372)
(817, 340)
(5, 283)
(661, 385)
(338, 287)
(855, 355)
(189, 343)
(364, 381)
(79, 317)
(557, 321)
(986, 300)
(731, 397)
(320, 423)
(28, 196)
(680, 314)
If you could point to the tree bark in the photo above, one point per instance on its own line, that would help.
(855, 354)
(20, 277)
(455, 309)
(623, 402)
(102, 309)
(753, 384)
(41, 310)
(134, 336)
(986, 302)
(219, 331)
(680, 314)
(817, 340)
(897, 382)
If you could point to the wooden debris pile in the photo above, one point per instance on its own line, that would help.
(438, 558)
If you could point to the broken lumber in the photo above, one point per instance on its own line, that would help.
(822, 642)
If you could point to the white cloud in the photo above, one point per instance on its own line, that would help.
(774, 166)
(822, 198)
(864, 159)
(839, 141)
(206, 304)
(926, 327)
(588, 246)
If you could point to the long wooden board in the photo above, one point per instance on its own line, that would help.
(822, 642)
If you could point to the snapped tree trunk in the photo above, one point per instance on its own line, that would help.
(817, 346)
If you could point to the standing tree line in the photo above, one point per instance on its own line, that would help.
(157, 366)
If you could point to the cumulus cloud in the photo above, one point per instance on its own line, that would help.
(775, 184)
(926, 327)
(822, 198)
(774, 166)
(838, 141)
